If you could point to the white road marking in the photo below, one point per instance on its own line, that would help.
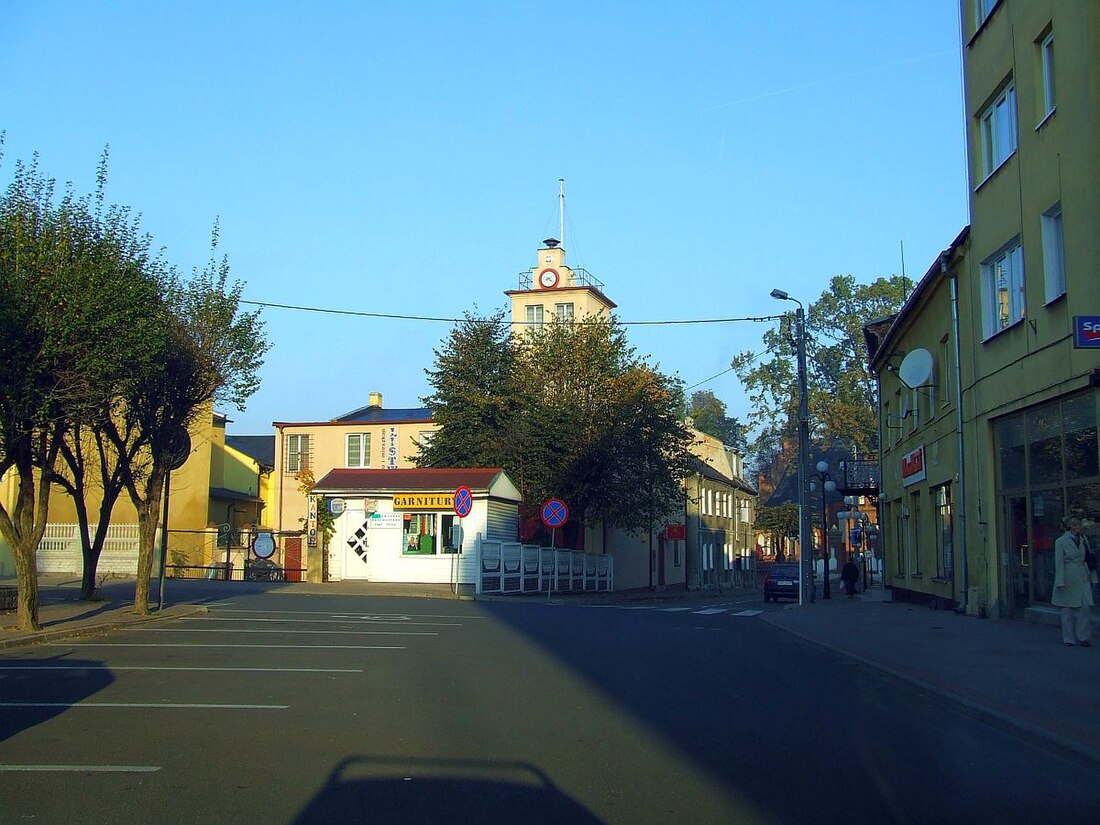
(285, 632)
(175, 705)
(204, 669)
(710, 611)
(672, 609)
(80, 768)
(300, 647)
(749, 613)
(313, 621)
(392, 616)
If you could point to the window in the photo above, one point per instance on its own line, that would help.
(357, 452)
(982, 10)
(1054, 256)
(915, 523)
(297, 453)
(945, 372)
(945, 537)
(1046, 58)
(563, 312)
(998, 130)
(534, 316)
(429, 534)
(914, 410)
(1003, 288)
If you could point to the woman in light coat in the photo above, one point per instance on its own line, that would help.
(1072, 584)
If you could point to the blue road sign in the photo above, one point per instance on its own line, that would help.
(464, 501)
(555, 513)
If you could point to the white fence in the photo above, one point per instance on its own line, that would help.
(59, 550)
(510, 567)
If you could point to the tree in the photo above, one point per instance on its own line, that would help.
(64, 348)
(209, 352)
(841, 393)
(569, 411)
(708, 414)
(780, 523)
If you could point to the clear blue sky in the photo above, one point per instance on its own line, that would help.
(403, 157)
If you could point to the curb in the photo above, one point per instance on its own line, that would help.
(40, 636)
(1035, 734)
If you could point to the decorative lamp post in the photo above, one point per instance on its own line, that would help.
(827, 486)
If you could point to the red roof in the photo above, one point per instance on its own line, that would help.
(417, 478)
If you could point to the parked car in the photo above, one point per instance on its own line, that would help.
(781, 582)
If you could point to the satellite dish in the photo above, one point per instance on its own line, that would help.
(916, 369)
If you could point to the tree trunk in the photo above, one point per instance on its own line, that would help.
(148, 521)
(26, 577)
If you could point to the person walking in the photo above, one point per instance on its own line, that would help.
(849, 575)
(1072, 584)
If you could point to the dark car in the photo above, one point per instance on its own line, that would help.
(781, 581)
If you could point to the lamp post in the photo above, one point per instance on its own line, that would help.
(805, 581)
(827, 484)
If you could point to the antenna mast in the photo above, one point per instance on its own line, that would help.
(561, 211)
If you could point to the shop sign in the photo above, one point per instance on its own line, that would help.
(423, 501)
(385, 521)
(391, 448)
(311, 523)
(676, 532)
(912, 467)
(1086, 331)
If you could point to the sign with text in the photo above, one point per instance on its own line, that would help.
(1086, 331)
(423, 501)
(385, 521)
(676, 532)
(390, 458)
(311, 523)
(912, 467)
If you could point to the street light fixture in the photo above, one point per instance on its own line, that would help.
(827, 486)
(805, 586)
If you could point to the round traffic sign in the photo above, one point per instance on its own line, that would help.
(263, 545)
(464, 501)
(554, 513)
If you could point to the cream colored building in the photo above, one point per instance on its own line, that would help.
(551, 291)
(371, 437)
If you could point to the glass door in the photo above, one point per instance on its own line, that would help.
(1018, 549)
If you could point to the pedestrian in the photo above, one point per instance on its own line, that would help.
(1072, 584)
(849, 575)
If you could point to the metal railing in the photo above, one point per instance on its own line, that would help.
(581, 277)
(230, 572)
(510, 567)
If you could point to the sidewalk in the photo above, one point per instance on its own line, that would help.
(1016, 675)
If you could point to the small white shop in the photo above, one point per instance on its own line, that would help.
(402, 525)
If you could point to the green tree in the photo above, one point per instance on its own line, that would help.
(569, 411)
(708, 413)
(841, 392)
(64, 348)
(779, 523)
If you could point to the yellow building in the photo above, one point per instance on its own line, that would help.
(216, 485)
(1027, 303)
(370, 437)
(550, 291)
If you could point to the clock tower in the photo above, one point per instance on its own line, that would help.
(551, 291)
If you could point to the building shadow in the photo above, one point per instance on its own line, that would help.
(418, 791)
(33, 691)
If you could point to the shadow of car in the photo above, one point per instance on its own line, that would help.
(781, 582)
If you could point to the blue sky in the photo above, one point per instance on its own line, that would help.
(404, 158)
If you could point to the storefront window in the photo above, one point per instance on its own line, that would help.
(945, 536)
(428, 534)
(1044, 436)
(1080, 424)
(1009, 437)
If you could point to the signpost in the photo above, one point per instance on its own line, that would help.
(263, 546)
(177, 457)
(554, 514)
(464, 501)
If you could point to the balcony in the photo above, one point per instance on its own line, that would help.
(858, 477)
(581, 277)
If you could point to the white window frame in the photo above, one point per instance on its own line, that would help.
(1046, 58)
(998, 131)
(563, 311)
(363, 445)
(534, 315)
(1054, 253)
(297, 448)
(1003, 289)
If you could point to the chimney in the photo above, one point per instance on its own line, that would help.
(375, 400)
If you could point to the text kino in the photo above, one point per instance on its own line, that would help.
(423, 501)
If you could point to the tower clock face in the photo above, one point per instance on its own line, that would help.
(548, 278)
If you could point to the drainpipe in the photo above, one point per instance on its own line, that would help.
(964, 574)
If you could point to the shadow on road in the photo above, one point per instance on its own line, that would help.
(33, 691)
(404, 791)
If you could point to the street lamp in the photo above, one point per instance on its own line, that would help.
(827, 486)
(805, 587)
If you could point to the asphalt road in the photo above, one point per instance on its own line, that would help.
(284, 709)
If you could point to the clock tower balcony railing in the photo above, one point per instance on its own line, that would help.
(581, 277)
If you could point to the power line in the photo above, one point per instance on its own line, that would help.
(393, 316)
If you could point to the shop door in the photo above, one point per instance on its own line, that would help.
(292, 558)
(1018, 547)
